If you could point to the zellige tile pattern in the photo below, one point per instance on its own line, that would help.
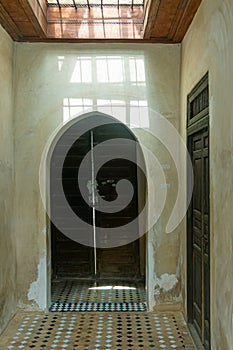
(93, 331)
(81, 291)
(86, 296)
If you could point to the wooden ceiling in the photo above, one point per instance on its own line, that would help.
(158, 21)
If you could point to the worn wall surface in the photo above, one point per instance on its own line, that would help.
(53, 84)
(7, 240)
(208, 46)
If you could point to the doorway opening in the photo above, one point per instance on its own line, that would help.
(198, 218)
(87, 265)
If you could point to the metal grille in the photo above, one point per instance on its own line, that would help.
(93, 3)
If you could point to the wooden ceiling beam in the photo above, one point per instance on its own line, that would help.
(32, 14)
(8, 24)
(24, 18)
(169, 19)
(151, 12)
(188, 9)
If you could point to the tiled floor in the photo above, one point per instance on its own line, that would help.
(105, 291)
(106, 329)
(105, 296)
(93, 331)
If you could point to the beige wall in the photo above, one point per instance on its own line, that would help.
(49, 89)
(7, 239)
(208, 46)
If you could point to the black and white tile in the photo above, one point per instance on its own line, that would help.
(92, 331)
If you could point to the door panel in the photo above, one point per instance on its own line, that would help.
(206, 241)
(198, 234)
(122, 261)
(69, 258)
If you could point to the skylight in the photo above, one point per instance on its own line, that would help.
(90, 3)
(95, 19)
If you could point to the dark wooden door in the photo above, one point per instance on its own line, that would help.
(121, 261)
(198, 222)
(70, 258)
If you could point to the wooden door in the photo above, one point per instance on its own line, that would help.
(70, 258)
(121, 261)
(198, 220)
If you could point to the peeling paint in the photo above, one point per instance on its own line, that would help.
(167, 282)
(36, 291)
(151, 275)
(44, 231)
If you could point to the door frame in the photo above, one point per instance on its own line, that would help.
(95, 257)
(196, 122)
(45, 174)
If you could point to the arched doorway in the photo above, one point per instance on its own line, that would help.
(97, 259)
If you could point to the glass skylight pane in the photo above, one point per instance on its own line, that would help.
(81, 2)
(65, 2)
(110, 2)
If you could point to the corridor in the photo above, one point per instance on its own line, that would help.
(116, 174)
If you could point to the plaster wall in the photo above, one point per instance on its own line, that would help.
(7, 239)
(208, 46)
(55, 82)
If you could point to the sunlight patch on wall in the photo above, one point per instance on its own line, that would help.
(82, 72)
(137, 70)
(105, 83)
(133, 113)
(108, 69)
(139, 115)
(60, 61)
(74, 106)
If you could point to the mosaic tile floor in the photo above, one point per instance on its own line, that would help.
(105, 291)
(106, 296)
(100, 307)
(94, 331)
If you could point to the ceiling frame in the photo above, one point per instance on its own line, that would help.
(165, 21)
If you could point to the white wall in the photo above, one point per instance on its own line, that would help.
(49, 89)
(7, 239)
(208, 46)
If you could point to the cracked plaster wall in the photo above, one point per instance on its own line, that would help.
(7, 239)
(45, 79)
(208, 46)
